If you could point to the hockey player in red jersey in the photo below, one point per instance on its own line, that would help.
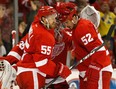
(94, 72)
(10, 61)
(35, 62)
(63, 43)
(37, 51)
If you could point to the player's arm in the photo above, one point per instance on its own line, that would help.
(8, 66)
(42, 58)
(66, 36)
(16, 52)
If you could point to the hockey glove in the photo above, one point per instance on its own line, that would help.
(92, 75)
(62, 70)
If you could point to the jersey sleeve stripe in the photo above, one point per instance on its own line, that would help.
(41, 63)
(14, 54)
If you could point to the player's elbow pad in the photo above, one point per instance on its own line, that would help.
(62, 70)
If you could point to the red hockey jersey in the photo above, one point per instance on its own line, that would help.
(38, 48)
(16, 53)
(60, 50)
(59, 53)
(86, 38)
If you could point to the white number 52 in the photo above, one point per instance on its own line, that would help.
(46, 49)
(86, 39)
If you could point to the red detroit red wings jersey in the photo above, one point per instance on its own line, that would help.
(38, 48)
(16, 53)
(60, 50)
(86, 38)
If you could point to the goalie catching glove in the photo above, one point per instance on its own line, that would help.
(7, 75)
(62, 70)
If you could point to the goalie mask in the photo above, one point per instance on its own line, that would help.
(90, 13)
(7, 75)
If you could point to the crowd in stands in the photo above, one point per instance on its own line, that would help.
(28, 9)
(107, 10)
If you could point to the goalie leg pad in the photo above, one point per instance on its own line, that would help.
(7, 74)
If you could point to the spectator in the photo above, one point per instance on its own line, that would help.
(21, 28)
(112, 4)
(107, 19)
(81, 4)
(6, 26)
(97, 5)
(34, 6)
(114, 62)
(48, 2)
(1, 15)
(23, 9)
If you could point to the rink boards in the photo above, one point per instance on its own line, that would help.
(73, 80)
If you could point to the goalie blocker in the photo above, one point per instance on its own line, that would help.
(7, 75)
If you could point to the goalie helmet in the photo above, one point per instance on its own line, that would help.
(90, 13)
(7, 75)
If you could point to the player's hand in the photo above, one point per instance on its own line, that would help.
(93, 72)
(62, 70)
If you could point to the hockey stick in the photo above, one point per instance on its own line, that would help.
(13, 38)
(112, 28)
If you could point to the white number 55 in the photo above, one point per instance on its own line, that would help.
(46, 49)
(86, 39)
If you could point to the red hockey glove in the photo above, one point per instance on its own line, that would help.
(92, 75)
(62, 70)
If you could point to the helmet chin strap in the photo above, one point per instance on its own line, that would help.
(46, 24)
(75, 22)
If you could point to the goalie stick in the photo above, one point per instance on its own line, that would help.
(112, 28)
